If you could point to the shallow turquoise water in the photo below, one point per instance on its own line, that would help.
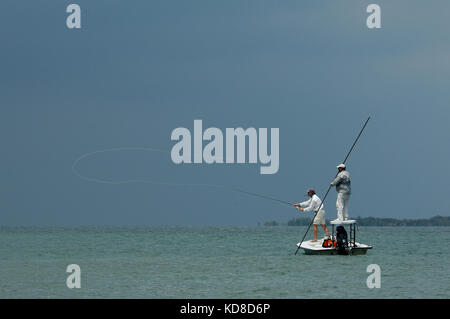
(218, 262)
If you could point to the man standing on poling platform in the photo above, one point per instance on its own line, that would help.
(344, 189)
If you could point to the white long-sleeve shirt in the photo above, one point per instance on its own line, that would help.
(312, 204)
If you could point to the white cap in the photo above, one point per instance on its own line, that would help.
(341, 166)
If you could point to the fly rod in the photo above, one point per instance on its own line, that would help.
(261, 196)
(329, 187)
(105, 181)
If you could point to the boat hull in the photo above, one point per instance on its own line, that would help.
(315, 248)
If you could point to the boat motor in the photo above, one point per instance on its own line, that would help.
(342, 240)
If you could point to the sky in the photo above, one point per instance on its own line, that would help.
(136, 70)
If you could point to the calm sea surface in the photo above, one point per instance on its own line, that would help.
(218, 262)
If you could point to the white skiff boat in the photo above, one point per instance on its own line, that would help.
(339, 243)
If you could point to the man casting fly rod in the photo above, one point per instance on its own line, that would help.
(314, 204)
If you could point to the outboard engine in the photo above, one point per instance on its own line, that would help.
(342, 240)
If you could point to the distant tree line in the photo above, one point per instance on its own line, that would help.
(433, 221)
(376, 221)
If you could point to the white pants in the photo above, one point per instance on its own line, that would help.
(342, 206)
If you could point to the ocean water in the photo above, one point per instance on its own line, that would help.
(218, 262)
